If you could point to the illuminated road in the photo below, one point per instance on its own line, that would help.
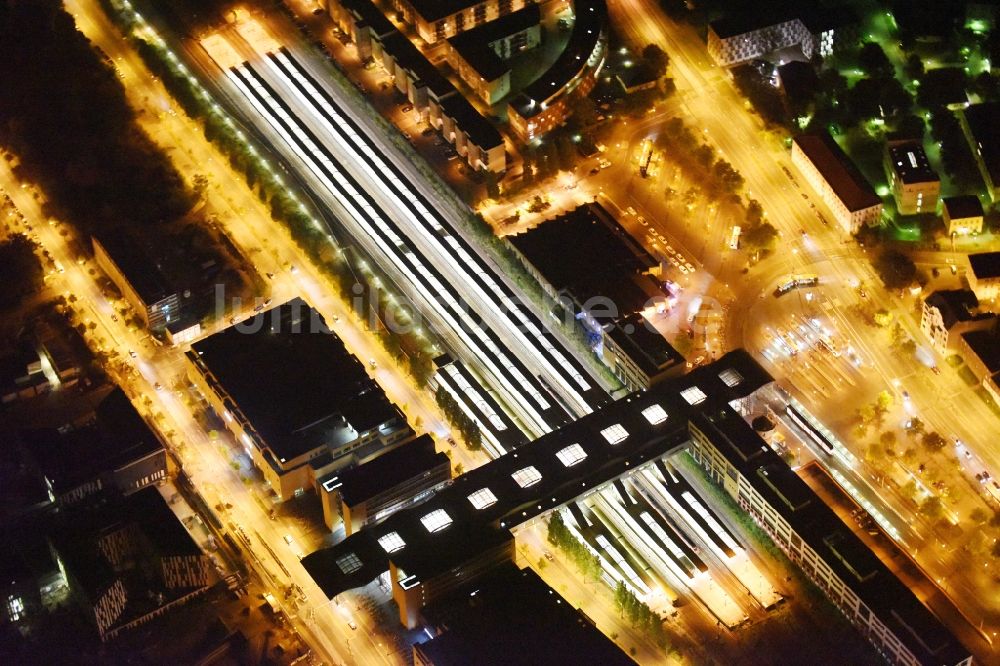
(246, 221)
(710, 103)
(322, 136)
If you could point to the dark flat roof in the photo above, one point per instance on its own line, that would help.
(480, 130)
(838, 170)
(502, 27)
(427, 553)
(149, 530)
(588, 254)
(817, 524)
(644, 345)
(735, 437)
(475, 46)
(433, 10)
(742, 23)
(484, 60)
(983, 121)
(986, 345)
(964, 206)
(820, 19)
(985, 264)
(798, 79)
(956, 305)
(292, 378)
(910, 162)
(948, 84)
(139, 268)
(512, 617)
(815, 19)
(389, 469)
(403, 51)
(591, 18)
(370, 16)
(117, 436)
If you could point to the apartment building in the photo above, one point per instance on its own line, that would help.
(869, 595)
(915, 186)
(843, 188)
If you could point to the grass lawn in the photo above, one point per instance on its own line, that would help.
(988, 399)
(966, 374)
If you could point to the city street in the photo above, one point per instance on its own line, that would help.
(820, 341)
(710, 101)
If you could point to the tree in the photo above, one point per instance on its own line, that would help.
(884, 401)
(896, 269)
(200, 183)
(932, 507)
(867, 413)
(754, 213)
(911, 126)
(933, 442)
(761, 236)
(728, 179)
(888, 440)
(492, 187)
(986, 86)
(832, 83)
(874, 61)
(20, 271)
(584, 114)
(915, 428)
(914, 67)
(940, 87)
(528, 173)
(656, 59)
(566, 151)
(979, 516)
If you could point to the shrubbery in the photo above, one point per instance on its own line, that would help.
(560, 536)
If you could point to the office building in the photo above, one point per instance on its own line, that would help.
(138, 277)
(981, 351)
(479, 56)
(915, 186)
(587, 257)
(435, 20)
(495, 620)
(587, 261)
(817, 32)
(638, 354)
(112, 450)
(30, 580)
(463, 531)
(129, 562)
(984, 275)
(947, 314)
(962, 215)
(372, 491)
(866, 591)
(317, 406)
(843, 188)
(548, 101)
(433, 96)
(979, 124)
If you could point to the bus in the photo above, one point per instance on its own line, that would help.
(796, 282)
(646, 156)
(815, 435)
(734, 238)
